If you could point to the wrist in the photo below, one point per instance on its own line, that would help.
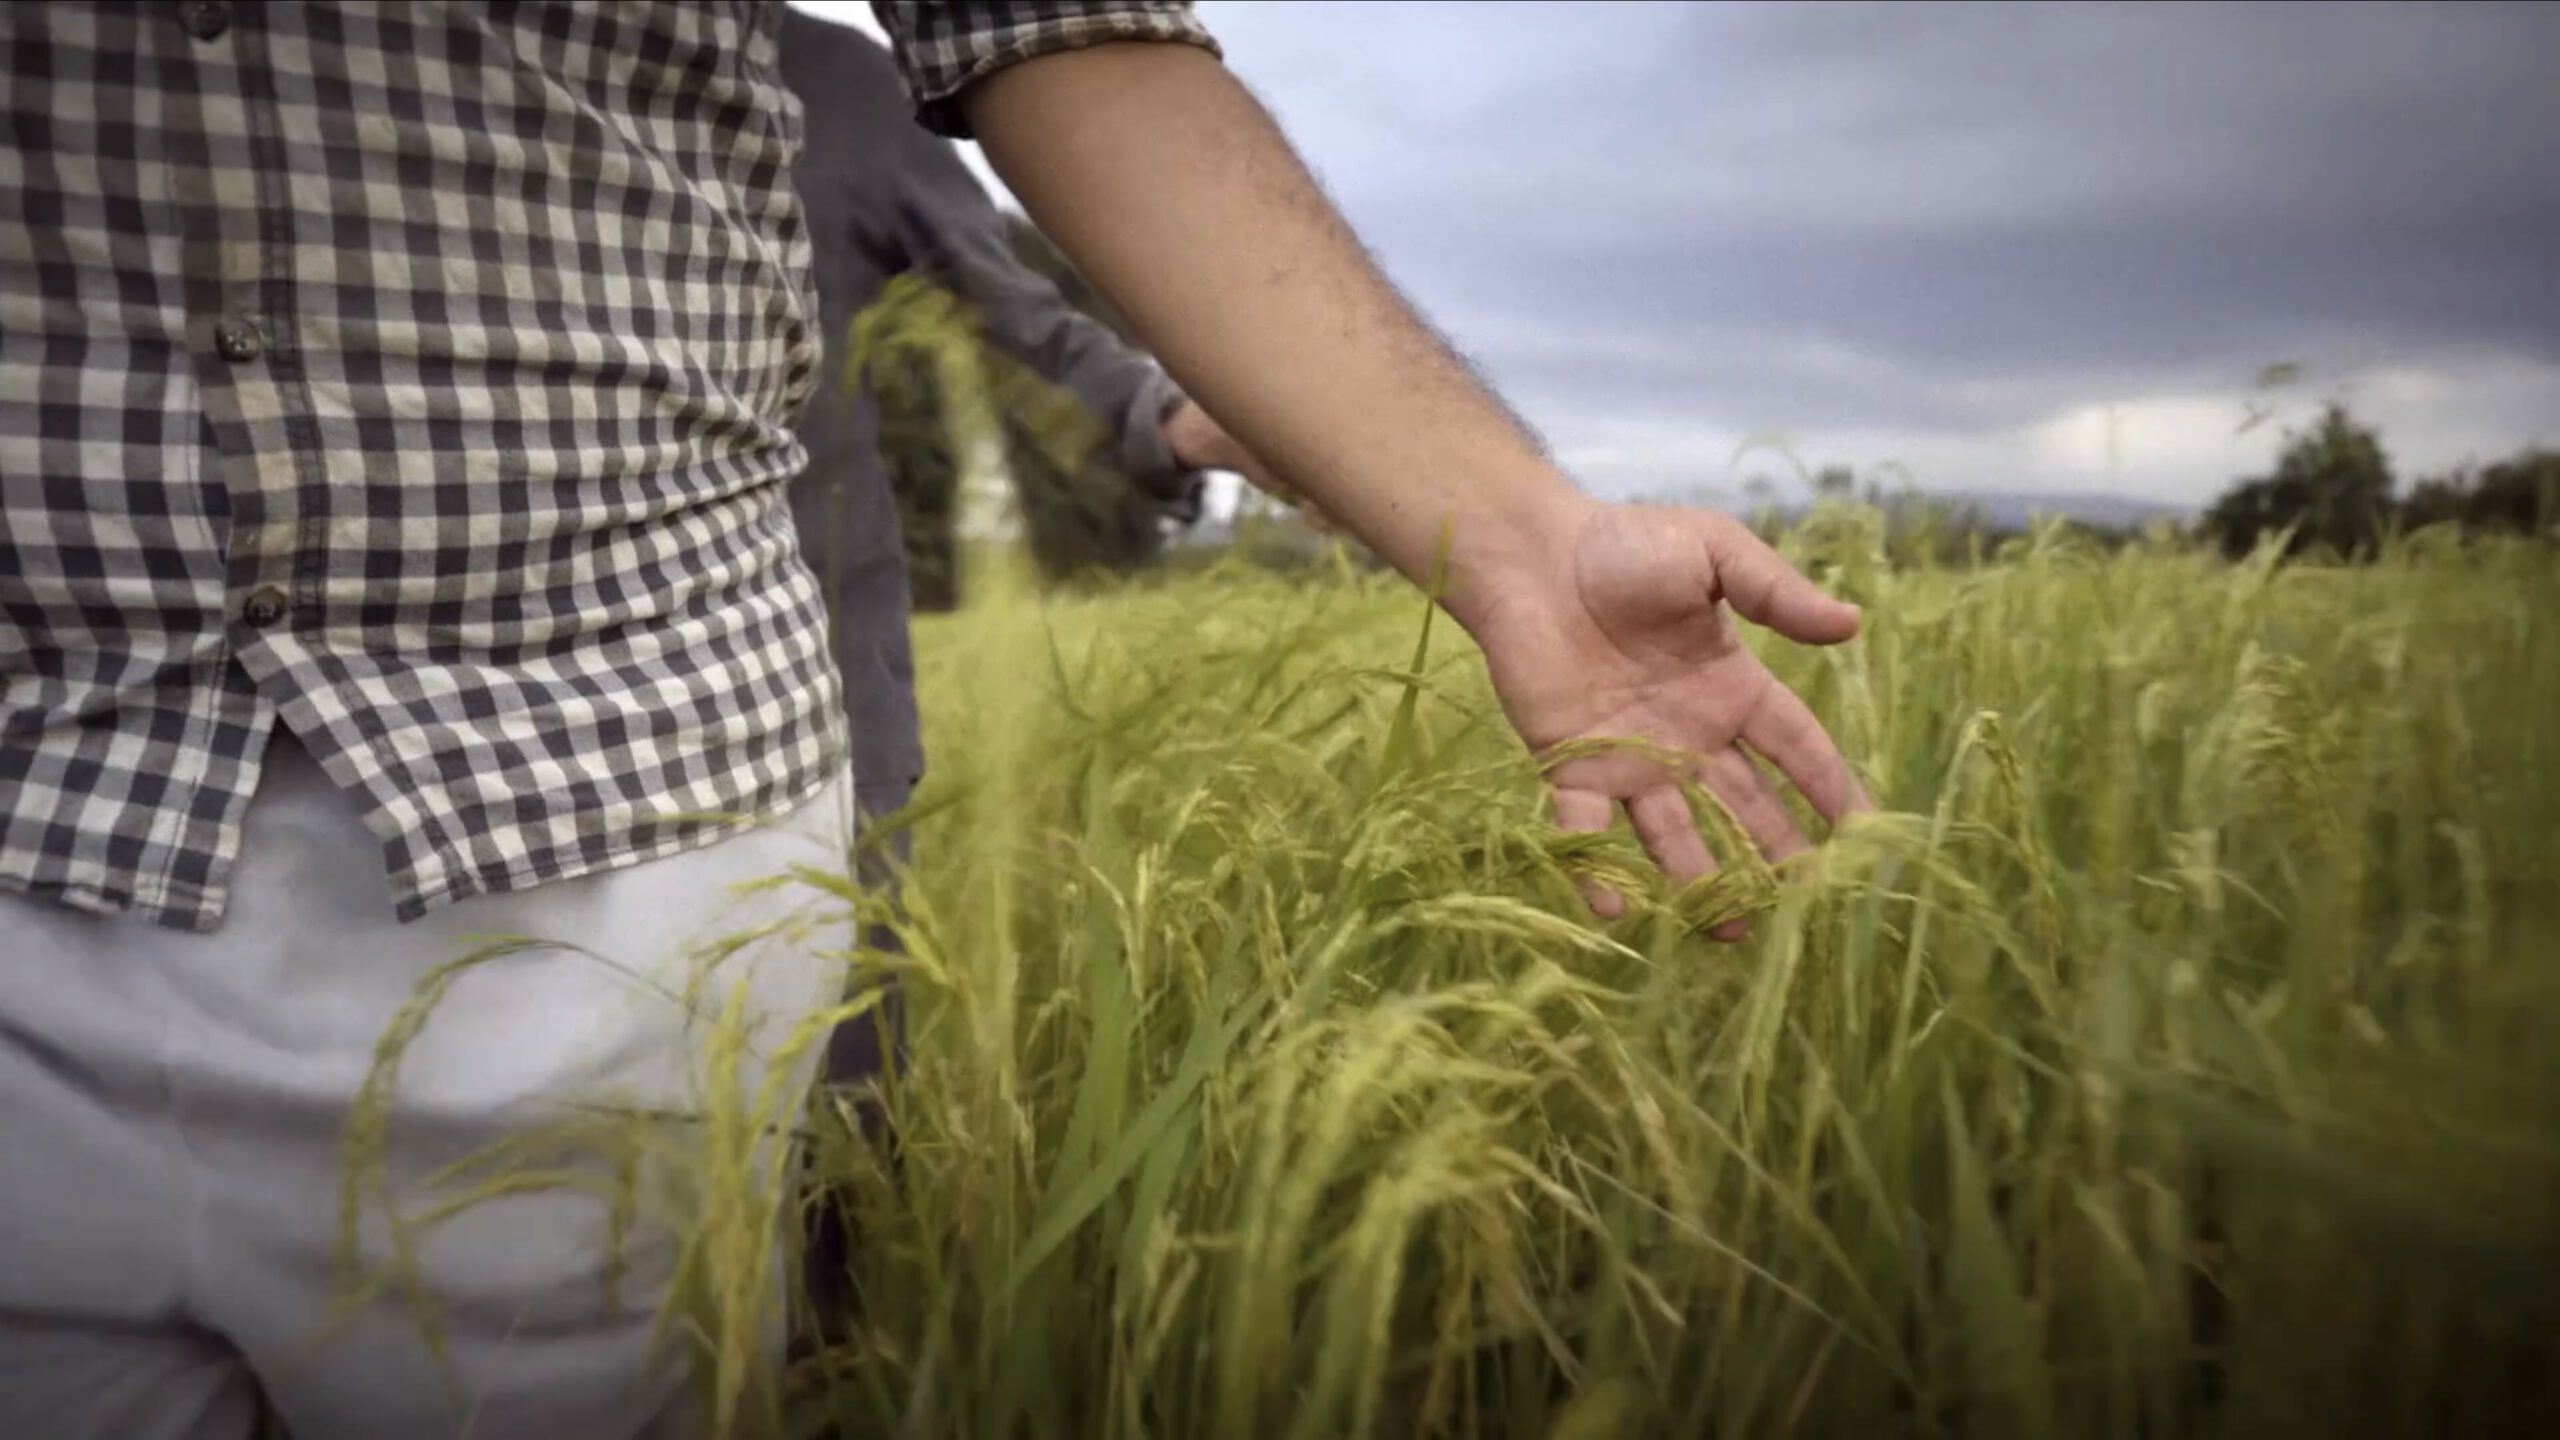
(1515, 552)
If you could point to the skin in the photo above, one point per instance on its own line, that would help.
(1168, 184)
(1201, 443)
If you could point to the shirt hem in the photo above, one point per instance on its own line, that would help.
(937, 98)
(160, 905)
(469, 882)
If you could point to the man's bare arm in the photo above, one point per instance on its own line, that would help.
(1155, 171)
(1169, 185)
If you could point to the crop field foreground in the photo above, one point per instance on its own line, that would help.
(2177, 1051)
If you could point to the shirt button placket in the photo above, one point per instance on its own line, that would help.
(240, 342)
(236, 339)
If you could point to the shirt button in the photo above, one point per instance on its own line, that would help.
(264, 607)
(238, 340)
(205, 19)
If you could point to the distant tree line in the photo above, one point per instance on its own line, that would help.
(2332, 492)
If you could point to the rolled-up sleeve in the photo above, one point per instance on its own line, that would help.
(944, 48)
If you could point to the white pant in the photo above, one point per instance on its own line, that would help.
(173, 1116)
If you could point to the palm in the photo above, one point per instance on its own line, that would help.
(1641, 644)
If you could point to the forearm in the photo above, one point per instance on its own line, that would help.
(1168, 185)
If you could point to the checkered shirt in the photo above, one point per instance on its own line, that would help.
(423, 376)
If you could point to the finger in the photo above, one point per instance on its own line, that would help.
(1670, 834)
(1755, 806)
(1588, 812)
(1782, 728)
(1765, 588)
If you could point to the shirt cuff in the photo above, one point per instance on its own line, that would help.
(944, 48)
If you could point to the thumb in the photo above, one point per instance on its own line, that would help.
(1766, 589)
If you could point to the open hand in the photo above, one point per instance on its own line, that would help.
(1631, 636)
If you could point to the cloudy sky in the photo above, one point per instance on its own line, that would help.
(2006, 247)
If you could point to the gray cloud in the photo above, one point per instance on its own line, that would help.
(1950, 224)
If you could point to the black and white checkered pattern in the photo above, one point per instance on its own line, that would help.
(423, 375)
(944, 48)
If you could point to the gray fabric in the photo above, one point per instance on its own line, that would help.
(885, 197)
(173, 1109)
